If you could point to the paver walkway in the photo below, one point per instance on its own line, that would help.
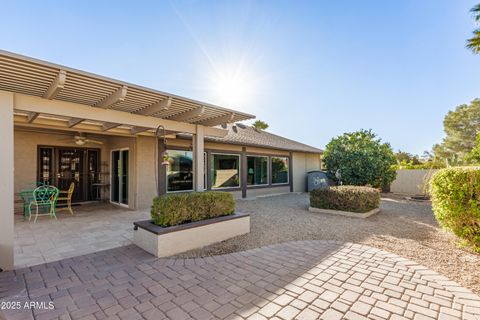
(294, 280)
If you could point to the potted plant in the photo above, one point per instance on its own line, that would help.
(166, 159)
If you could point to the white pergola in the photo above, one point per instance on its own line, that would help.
(39, 94)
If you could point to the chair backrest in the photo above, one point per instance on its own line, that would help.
(71, 189)
(45, 193)
(54, 193)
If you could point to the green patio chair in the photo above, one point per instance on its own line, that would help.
(26, 195)
(44, 196)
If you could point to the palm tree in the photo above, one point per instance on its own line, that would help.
(260, 125)
(474, 42)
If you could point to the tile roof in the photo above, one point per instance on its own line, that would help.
(246, 135)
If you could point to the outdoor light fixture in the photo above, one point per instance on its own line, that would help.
(80, 142)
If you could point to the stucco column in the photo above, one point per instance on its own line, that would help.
(6, 180)
(199, 166)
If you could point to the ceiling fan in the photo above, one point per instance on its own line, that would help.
(80, 139)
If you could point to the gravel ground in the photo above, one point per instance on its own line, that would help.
(405, 228)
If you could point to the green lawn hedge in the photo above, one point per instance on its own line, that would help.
(174, 209)
(346, 198)
(455, 196)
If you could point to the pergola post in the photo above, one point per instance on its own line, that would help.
(198, 149)
(6, 181)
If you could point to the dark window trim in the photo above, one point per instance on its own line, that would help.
(242, 168)
(268, 169)
(165, 170)
(289, 170)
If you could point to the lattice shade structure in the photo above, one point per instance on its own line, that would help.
(34, 77)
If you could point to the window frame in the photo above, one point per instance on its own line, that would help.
(193, 173)
(268, 170)
(212, 155)
(288, 171)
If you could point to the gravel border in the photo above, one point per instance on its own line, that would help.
(403, 227)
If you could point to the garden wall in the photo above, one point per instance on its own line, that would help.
(412, 181)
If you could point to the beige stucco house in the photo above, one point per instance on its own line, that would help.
(125, 143)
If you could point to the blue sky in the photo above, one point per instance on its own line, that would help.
(311, 69)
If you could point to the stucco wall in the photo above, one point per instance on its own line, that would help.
(299, 171)
(411, 181)
(252, 193)
(302, 164)
(145, 172)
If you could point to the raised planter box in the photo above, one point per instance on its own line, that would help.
(345, 213)
(167, 241)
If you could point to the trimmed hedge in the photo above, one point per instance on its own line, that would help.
(174, 209)
(455, 196)
(346, 198)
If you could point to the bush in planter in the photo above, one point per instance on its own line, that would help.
(346, 198)
(174, 209)
(455, 196)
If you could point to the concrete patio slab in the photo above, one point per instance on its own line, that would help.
(92, 228)
(294, 280)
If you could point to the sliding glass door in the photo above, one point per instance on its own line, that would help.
(119, 188)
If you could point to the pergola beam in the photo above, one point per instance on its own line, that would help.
(32, 116)
(53, 124)
(189, 115)
(109, 125)
(156, 107)
(27, 103)
(114, 98)
(228, 118)
(137, 130)
(57, 85)
(74, 121)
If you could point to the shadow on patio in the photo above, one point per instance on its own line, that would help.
(93, 227)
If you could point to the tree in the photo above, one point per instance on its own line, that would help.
(406, 157)
(473, 157)
(260, 125)
(474, 42)
(461, 127)
(361, 158)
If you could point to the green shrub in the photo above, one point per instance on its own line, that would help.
(455, 196)
(361, 159)
(346, 198)
(174, 209)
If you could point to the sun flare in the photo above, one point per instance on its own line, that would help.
(232, 87)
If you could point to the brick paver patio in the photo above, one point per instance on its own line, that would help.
(295, 280)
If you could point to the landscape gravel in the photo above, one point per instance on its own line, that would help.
(406, 228)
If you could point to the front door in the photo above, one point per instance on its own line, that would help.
(70, 169)
(60, 166)
(119, 189)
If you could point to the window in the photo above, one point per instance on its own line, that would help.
(45, 167)
(257, 171)
(179, 171)
(205, 171)
(279, 170)
(225, 171)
